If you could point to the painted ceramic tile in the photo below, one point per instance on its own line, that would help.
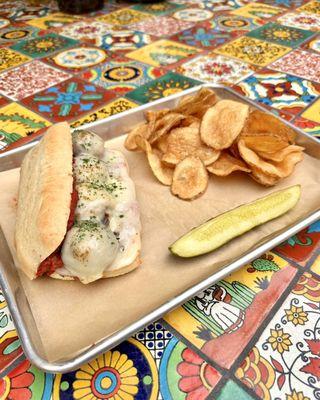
(226, 315)
(124, 17)
(10, 348)
(253, 51)
(122, 76)
(162, 87)
(162, 25)
(281, 34)
(284, 362)
(203, 36)
(311, 7)
(230, 23)
(279, 90)
(78, 58)
(4, 22)
(301, 246)
(43, 46)
(14, 33)
(215, 69)
(310, 127)
(3, 101)
(193, 15)
(17, 121)
(160, 8)
(10, 58)
(300, 63)
(162, 52)
(135, 369)
(258, 11)
(232, 390)
(313, 112)
(285, 3)
(23, 14)
(68, 100)
(305, 21)
(123, 40)
(11, 5)
(87, 31)
(313, 45)
(50, 21)
(315, 267)
(28, 79)
(220, 5)
(115, 107)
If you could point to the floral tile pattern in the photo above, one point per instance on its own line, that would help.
(215, 69)
(28, 79)
(305, 21)
(162, 87)
(162, 52)
(114, 107)
(281, 34)
(68, 100)
(279, 90)
(78, 58)
(270, 368)
(122, 76)
(253, 334)
(163, 25)
(300, 63)
(43, 46)
(51, 21)
(253, 51)
(17, 121)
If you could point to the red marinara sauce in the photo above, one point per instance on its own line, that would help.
(54, 261)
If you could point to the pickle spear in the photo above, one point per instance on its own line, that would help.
(221, 229)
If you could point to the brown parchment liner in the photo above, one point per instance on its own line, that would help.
(71, 316)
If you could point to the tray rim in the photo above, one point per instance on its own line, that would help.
(109, 342)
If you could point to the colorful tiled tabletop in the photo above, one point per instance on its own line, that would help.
(255, 334)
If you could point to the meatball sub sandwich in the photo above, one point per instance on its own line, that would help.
(77, 215)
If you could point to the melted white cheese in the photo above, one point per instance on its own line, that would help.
(87, 142)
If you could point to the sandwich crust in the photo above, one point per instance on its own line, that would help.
(44, 198)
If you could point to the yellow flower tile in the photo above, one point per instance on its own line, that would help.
(311, 7)
(257, 11)
(162, 52)
(10, 58)
(250, 280)
(253, 51)
(52, 21)
(16, 120)
(124, 17)
(316, 266)
(117, 106)
(313, 112)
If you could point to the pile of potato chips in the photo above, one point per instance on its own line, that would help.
(204, 134)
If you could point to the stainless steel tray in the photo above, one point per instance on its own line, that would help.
(108, 128)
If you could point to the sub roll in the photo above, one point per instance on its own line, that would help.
(77, 215)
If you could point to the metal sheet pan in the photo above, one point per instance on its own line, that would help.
(108, 128)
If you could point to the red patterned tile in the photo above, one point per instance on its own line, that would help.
(161, 26)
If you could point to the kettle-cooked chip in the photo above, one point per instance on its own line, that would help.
(265, 143)
(140, 130)
(226, 164)
(222, 123)
(279, 156)
(190, 178)
(164, 125)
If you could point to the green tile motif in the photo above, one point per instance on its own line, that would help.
(44, 45)
(281, 34)
(162, 87)
(232, 391)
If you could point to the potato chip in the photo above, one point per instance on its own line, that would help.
(162, 144)
(222, 123)
(261, 122)
(263, 179)
(163, 174)
(197, 104)
(190, 120)
(139, 130)
(273, 169)
(226, 164)
(265, 143)
(164, 125)
(279, 156)
(183, 142)
(190, 178)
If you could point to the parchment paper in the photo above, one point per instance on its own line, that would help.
(71, 316)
